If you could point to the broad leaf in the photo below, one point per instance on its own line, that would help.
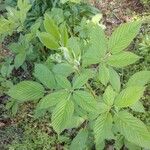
(103, 127)
(123, 36)
(80, 140)
(48, 40)
(139, 79)
(51, 27)
(62, 115)
(52, 99)
(44, 75)
(114, 79)
(103, 74)
(85, 100)
(122, 59)
(132, 128)
(26, 90)
(109, 96)
(129, 96)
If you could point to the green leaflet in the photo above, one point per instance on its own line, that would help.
(44, 75)
(80, 140)
(19, 59)
(85, 100)
(123, 36)
(62, 114)
(63, 69)
(48, 40)
(62, 82)
(102, 127)
(122, 59)
(73, 44)
(132, 128)
(138, 107)
(109, 96)
(51, 27)
(98, 47)
(52, 99)
(82, 79)
(64, 34)
(139, 79)
(26, 90)
(129, 96)
(103, 74)
(114, 79)
(99, 40)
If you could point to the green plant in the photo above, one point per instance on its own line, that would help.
(62, 85)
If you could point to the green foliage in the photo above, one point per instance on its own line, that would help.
(66, 63)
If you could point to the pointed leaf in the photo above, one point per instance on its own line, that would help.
(48, 40)
(85, 100)
(139, 79)
(62, 115)
(122, 59)
(62, 82)
(52, 99)
(103, 127)
(114, 79)
(123, 36)
(44, 75)
(133, 129)
(51, 27)
(26, 90)
(82, 79)
(103, 74)
(109, 96)
(138, 107)
(80, 140)
(129, 96)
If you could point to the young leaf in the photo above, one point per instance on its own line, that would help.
(80, 140)
(109, 96)
(62, 82)
(114, 79)
(26, 90)
(132, 128)
(51, 27)
(123, 36)
(82, 79)
(48, 40)
(62, 115)
(52, 99)
(122, 59)
(85, 100)
(139, 79)
(103, 74)
(44, 75)
(103, 127)
(129, 96)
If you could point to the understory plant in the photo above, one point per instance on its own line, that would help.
(63, 77)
